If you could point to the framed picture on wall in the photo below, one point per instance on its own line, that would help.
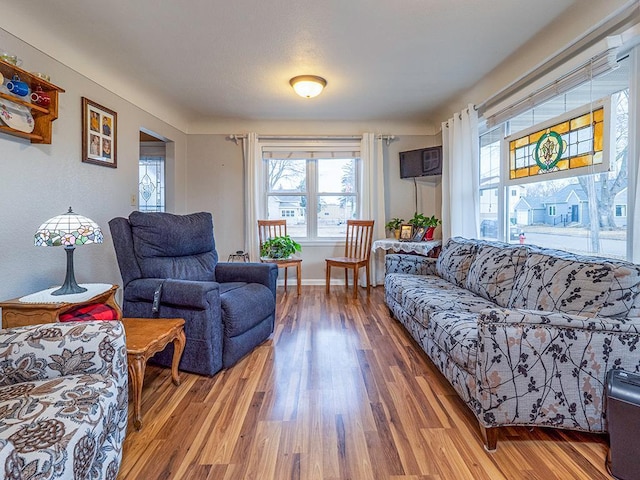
(99, 134)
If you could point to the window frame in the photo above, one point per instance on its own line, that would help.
(320, 150)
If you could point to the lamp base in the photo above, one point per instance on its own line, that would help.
(69, 286)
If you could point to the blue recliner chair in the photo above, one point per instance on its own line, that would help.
(229, 308)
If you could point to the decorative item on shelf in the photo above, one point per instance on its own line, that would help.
(10, 58)
(68, 230)
(18, 87)
(394, 225)
(432, 223)
(39, 97)
(428, 223)
(41, 75)
(279, 247)
(308, 86)
(406, 233)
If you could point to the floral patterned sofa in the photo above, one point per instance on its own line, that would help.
(63, 401)
(525, 335)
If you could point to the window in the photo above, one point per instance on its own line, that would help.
(316, 190)
(580, 194)
(151, 177)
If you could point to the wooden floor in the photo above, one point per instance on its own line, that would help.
(340, 391)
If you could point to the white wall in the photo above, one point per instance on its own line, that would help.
(38, 182)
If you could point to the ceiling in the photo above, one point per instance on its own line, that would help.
(383, 60)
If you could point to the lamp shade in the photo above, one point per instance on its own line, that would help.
(308, 86)
(68, 229)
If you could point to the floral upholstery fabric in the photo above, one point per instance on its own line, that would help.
(494, 270)
(455, 259)
(456, 334)
(543, 358)
(63, 400)
(408, 291)
(554, 282)
(549, 368)
(410, 264)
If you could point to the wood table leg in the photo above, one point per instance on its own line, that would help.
(299, 276)
(137, 366)
(178, 347)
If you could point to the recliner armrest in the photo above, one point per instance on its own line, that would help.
(264, 273)
(183, 293)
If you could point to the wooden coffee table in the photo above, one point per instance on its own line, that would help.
(146, 337)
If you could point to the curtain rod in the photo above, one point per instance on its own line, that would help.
(236, 137)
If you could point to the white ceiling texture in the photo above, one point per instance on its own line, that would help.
(383, 60)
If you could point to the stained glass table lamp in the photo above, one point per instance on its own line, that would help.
(68, 230)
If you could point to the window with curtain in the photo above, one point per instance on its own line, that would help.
(569, 170)
(315, 189)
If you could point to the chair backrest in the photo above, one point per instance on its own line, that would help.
(359, 239)
(163, 245)
(270, 229)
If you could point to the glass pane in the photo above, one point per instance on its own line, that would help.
(293, 209)
(151, 184)
(333, 213)
(287, 175)
(584, 214)
(490, 157)
(337, 175)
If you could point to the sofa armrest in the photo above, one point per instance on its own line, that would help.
(263, 273)
(181, 293)
(549, 368)
(54, 350)
(410, 264)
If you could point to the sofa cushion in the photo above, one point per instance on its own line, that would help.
(420, 296)
(494, 270)
(624, 295)
(164, 251)
(455, 259)
(562, 282)
(456, 334)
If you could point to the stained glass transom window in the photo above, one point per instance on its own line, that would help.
(576, 141)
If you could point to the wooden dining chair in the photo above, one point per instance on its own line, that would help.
(356, 254)
(278, 228)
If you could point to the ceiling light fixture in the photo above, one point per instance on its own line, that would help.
(308, 86)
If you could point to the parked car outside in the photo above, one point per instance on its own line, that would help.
(489, 229)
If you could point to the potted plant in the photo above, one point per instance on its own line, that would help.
(393, 225)
(279, 247)
(431, 223)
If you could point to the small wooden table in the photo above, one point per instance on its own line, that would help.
(146, 337)
(285, 263)
(16, 313)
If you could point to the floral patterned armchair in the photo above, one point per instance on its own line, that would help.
(63, 400)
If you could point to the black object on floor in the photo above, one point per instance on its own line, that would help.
(623, 415)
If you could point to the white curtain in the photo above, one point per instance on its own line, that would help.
(460, 192)
(373, 200)
(253, 174)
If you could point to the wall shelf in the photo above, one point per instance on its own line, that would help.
(42, 116)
